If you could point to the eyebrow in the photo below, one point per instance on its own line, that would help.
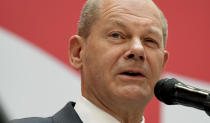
(118, 23)
(154, 31)
(148, 31)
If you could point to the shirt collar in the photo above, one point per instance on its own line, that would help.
(90, 113)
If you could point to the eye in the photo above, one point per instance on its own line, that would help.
(117, 35)
(151, 42)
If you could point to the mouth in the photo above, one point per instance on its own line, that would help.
(132, 74)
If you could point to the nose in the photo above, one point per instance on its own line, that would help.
(136, 50)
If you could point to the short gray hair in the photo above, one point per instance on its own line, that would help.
(89, 15)
(165, 27)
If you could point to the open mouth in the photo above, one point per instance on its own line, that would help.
(131, 74)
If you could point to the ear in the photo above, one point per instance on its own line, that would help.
(76, 47)
(166, 55)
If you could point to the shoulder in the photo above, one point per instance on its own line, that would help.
(33, 120)
(65, 115)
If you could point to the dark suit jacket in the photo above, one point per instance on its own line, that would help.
(65, 115)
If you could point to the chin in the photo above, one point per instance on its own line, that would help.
(134, 94)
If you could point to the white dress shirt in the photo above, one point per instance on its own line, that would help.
(90, 113)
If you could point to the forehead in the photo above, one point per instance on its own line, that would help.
(137, 8)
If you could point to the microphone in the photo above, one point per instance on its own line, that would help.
(173, 92)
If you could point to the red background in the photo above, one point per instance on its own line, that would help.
(49, 24)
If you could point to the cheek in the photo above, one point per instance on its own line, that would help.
(155, 63)
(100, 57)
(107, 55)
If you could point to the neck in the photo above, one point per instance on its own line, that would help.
(130, 117)
(125, 112)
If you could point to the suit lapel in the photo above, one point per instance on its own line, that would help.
(67, 115)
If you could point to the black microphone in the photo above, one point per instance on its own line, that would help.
(173, 92)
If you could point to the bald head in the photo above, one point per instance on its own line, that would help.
(90, 14)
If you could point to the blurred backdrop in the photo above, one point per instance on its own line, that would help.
(37, 80)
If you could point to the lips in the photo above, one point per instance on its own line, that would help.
(132, 73)
(128, 73)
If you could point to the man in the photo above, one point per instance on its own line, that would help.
(120, 51)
